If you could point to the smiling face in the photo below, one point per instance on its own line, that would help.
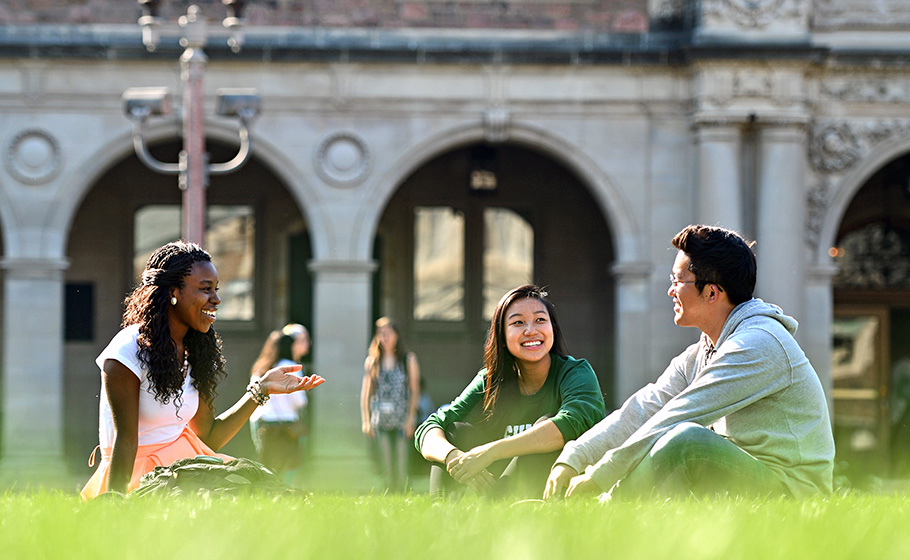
(688, 300)
(197, 300)
(528, 330)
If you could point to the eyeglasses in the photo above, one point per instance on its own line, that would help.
(674, 281)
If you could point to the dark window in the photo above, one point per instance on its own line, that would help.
(79, 321)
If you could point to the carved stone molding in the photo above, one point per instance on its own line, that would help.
(708, 123)
(343, 159)
(833, 147)
(342, 79)
(755, 86)
(330, 267)
(748, 83)
(33, 268)
(836, 146)
(876, 257)
(668, 10)
(860, 14)
(33, 75)
(870, 90)
(709, 120)
(753, 14)
(783, 123)
(496, 124)
(818, 198)
(33, 156)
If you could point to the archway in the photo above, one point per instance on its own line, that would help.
(259, 240)
(475, 221)
(871, 362)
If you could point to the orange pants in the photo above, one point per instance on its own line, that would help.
(187, 445)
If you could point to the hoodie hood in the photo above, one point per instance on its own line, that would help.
(754, 308)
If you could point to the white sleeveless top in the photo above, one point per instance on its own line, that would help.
(158, 423)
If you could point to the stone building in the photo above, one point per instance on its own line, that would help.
(417, 159)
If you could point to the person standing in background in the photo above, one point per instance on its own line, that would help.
(389, 399)
(278, 426)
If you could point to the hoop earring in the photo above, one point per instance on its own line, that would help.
(174, 300)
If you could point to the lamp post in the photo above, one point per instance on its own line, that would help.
(192, 167)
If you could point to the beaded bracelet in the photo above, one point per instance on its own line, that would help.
(255, 391)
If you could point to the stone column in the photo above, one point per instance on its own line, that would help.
(781, 247)
(632, 320)
(720, 197)
(33, 399)
(339, 457)
(815, 328)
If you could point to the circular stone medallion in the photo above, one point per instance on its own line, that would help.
(33, 157)
(343, 159)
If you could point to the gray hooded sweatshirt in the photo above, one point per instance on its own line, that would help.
(755, 387)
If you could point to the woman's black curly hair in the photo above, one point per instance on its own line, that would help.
(147, 306)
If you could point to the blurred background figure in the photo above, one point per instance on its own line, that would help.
(279, 425)
(389, 400)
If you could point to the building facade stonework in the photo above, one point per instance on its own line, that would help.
(585, 133)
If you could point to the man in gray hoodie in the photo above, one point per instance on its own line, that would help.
(740, 412)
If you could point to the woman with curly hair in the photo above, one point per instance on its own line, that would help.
(159, 374)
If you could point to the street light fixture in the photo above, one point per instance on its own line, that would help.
(151, 22)
(139, 104)
(234, 22)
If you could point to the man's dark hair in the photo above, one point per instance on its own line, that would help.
(719, 256)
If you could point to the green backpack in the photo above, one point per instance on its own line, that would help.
(203, 474)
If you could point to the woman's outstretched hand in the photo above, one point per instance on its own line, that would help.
(280, 380)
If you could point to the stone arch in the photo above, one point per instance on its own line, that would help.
(586, 297)
(885, 305)
(623, 229)
(847, 188)
(121, 146)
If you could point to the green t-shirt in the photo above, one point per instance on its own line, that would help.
(571, 396)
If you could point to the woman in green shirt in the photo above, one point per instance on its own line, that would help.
(502, 434)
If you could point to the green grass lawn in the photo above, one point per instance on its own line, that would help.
(59, 525)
